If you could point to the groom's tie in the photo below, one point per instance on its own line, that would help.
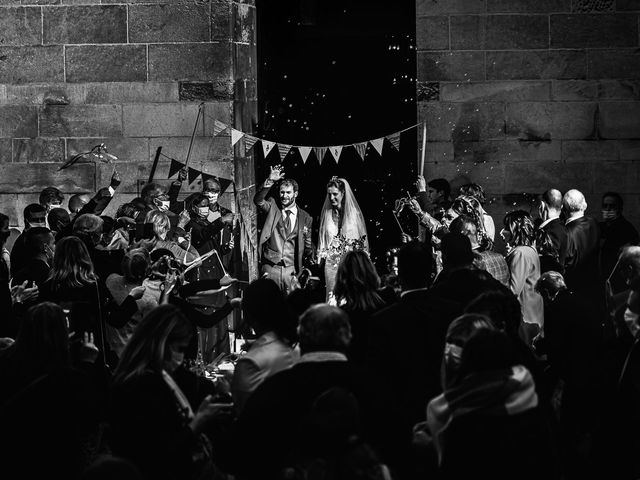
(287, 222)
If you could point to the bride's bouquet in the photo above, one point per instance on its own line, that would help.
(340, 245)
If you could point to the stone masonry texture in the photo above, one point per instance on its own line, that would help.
(127, 73)
(531, 95)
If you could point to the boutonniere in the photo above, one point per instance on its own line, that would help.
(305, 231)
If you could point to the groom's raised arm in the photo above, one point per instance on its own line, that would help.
(260, 197)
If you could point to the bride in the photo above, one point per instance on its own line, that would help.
(342, 228)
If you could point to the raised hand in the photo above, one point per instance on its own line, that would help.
(137, 292)
(421, 184)
(115, 179)
(22, 294)
(182, 174)
(184, 218)
(88, 350)
(228, 219)
(276, 174)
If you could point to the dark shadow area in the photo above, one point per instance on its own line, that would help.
(337, 72)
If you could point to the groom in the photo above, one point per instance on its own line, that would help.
(285, 239)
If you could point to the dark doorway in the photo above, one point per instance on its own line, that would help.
(335, 72)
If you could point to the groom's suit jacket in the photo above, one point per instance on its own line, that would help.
(274, 227)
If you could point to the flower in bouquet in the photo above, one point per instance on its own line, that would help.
(339, 246)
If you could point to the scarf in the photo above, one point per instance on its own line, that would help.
(490, 393)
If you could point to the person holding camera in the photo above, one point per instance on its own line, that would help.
(285, 239)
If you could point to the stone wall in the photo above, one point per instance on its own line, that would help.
(523, 95)
(131, 74)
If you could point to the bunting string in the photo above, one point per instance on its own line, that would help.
(319, 151)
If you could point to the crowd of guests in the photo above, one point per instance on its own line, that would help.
(464, 363)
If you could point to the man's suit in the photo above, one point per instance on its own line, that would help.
(558, 234)
(281, 253)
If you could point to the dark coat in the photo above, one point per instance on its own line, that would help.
(558, 234)
(581, 261)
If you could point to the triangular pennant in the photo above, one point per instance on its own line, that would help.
(283, 150)
(361, 149)
(304, 153)
(394, 139)
(320, 151)
(377, 144)
(267, 147)
(249, 142)
(235, 136)
(336, 151)
(175, 167)
(224, 182)
(218, 127)
(192, 174)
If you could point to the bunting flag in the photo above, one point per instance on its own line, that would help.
(377, 144)
(224, 182)
(218, 127)
(394, 140)
(304, 153)
(336, 151)
(192, 174)
(267, 147)
(320, 151)
(175, 167)
(249, 142)
(283, 150)
(361, 149)
(235, 136)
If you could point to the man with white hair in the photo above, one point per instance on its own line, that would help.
(583, 243)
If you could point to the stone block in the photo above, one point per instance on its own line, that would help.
(428, 91)
(18, 178)
(85, 24)
(619, 120)
(619, 89)
(126, 149)
(495, 91)
(451, 66)
(444, 7)
(213, 152)
(546, 121)
(190, 61)
(628, 150)
(18, 121)
(45, 94)
(80, 121)
(221, 24)
(621, 177)
(245, 58)
(31, 64)
(131, 92)
(160, 120)
(537, 64)
(628, 5)
(244, 23)
(537, 177)
(507, 151)
(589, 151)
(620, 64)
(468, 32)
(517, 32)
(574, 90)
(20, 26)
(131, 173)
(594, 30)
(106, 63)
(38, 150)
(528, 6)
(9, 206)
(463, 122)
(205, 91)
(432, 33)
(213, 111)
(5, 151)
(439, 152)
(167, 23)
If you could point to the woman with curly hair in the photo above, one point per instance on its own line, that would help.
(476, 191)
(524, 264)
